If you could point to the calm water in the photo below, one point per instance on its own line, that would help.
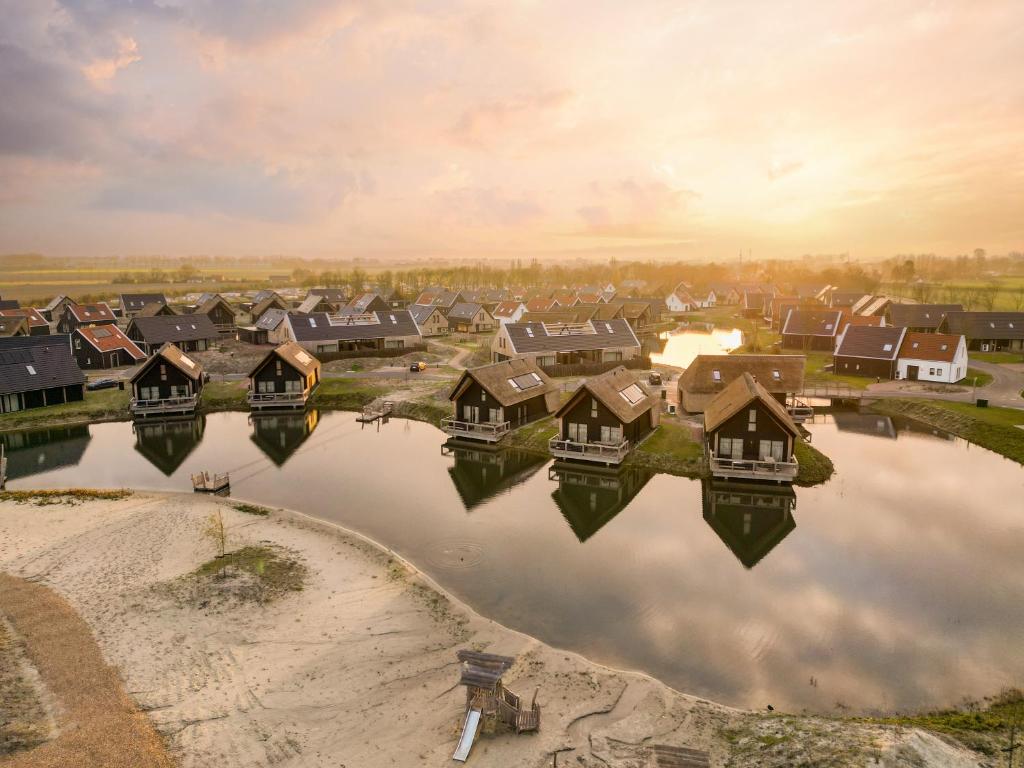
(897, 585)
(684, 344)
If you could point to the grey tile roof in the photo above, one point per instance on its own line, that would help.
(420, 312)
(136, 301)
(539, 337)
(874, 342)
(920, 315)
(985, 325)
(174, 328)
(29, 363)
(271, 318)
(464, 311)
(812, 322)
(319, 326)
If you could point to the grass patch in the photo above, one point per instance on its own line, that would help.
(671, 449)
(253, 574)
(224, 396)
(981, 727)
(252, 509)
(24, 723)
(997, 357)
(993, 428)
(346, 394)
(977, 378)
(101, 405)
(815, 466)
(427, 410)
(534, 436)
(69, 496)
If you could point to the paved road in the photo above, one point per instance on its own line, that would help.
(1004, 390)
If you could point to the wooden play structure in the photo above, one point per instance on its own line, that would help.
(489, 702)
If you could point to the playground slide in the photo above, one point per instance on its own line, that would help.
(468, 735)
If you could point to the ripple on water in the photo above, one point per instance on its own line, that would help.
(455, 554)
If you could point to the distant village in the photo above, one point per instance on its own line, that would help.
(601, 336)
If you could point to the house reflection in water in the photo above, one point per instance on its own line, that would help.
(42, 450)
(874, 424)
(279, 435)
(751, 518)
(589, 497)
(481, 472)
(166, 443)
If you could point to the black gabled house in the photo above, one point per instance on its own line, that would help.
(285, 378)
(605, 419)
(748, 434)
(808, 329)
(867, 350)
(37, 371)
(491, 400)
(169, 382)
(80, 315)
(220, 312)
(133, 303)
(104, 346)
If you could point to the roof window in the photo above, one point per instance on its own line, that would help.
(887, 347)
(777, 374)
(30, 369)
(716, 375)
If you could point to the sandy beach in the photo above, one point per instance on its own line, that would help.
(358, 667)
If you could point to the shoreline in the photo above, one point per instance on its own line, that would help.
(619, 706)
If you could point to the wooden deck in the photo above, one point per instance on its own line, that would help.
(824, 391)
(204, 482)
(3, 468)
(164, 406)
(666, 756)
(595, 452)
(376, 411)
(260, 400)
(752, 469)
(486, 431)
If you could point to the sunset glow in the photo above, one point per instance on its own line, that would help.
(649, 129)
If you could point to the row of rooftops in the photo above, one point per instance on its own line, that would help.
(937, 317)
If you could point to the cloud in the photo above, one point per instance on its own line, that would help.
(486, 123)
(102, 69)
(479, 207)
(635, 208)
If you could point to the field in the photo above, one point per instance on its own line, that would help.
(1009, 293)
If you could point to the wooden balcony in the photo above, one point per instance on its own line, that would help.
(754, 469)
(163, 406)
(598, 453)
(260, 400)
(486, 431)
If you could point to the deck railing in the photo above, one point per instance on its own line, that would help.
(164, 404)
(754, 468)
(598, 452)
(277, 398)
(489, 431)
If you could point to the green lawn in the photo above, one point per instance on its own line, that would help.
(997, 357)
(815, 466)
(977, 378)
(670, 449)
(102, 405)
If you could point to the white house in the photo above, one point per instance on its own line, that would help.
(680, 301)
(509, 312)
(940, 357)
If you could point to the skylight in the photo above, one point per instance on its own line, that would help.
(312, 322)
(914, 345)
(303, 358)
(777, 374)
(716, 375)
(188, 361)
(828, 326)
(887, 347)
(944, 347)
(632, 394)
(30, 369)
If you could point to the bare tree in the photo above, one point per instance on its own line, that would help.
(1018, 298)
(987, 296)
(214, 530)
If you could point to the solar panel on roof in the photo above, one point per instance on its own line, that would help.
(525, 381)
(101, 333)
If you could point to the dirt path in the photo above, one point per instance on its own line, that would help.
(99, 725)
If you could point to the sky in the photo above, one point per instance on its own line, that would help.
(693, 130)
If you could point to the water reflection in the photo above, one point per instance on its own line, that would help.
(589, 497)
(480, 472)
(873, 424)
(906, 562)
(41, 450)
(166, 443)
(750, 518)
(279, 435)
(684, 344)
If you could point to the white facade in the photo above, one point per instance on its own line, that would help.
(936, 370)
(677, 303)
(515, 317)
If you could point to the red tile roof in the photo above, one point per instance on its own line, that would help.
(107, 338)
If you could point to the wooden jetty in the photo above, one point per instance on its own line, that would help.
(666, 756)
(3, 468)
(376, 411)
(489, 702)
(204, 482)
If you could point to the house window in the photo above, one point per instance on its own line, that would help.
(163, 372)
(716, 375)
(752, 420)
(593, 408)
(483, 396)
(494, 415)
(577, 432)
(611, 435)
(770, 449)
(931, 371)
(293, 385)
(278, 368)
(264, 386)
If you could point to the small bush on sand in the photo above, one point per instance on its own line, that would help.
(69, 496)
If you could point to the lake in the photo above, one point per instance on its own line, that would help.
(897, 585)
(684, 344)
